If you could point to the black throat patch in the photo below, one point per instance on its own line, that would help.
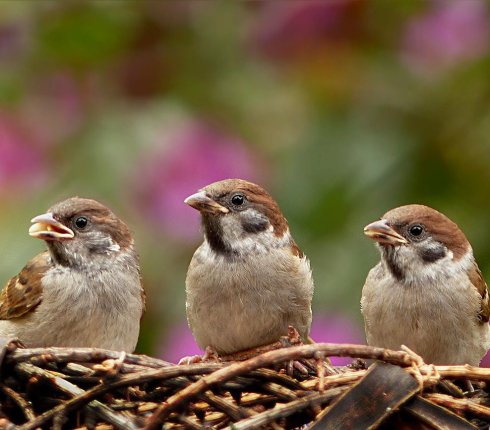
(214, 235)
(59, 255)
(389, 253)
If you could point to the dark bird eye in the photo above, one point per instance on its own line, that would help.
(81, 222)
(416, 230)
(238, 199)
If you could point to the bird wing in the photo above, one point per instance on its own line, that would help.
(479, 283)
(143, 301)
(24, 292)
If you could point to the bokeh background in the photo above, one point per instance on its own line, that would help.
(343, 109)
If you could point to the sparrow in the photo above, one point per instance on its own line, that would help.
(427, 291)
(248, 281)
(85, 290)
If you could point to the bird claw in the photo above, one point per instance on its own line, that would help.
(112, 366)
(209, 355)
(190, 359)
(293, 365)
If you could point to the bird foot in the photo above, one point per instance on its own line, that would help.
(210, 355)
(8, 344)
(293, 338)
(111, 367)
(190, 359)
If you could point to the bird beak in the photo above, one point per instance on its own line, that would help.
(203, 203)
(382, 233)
(45, 227)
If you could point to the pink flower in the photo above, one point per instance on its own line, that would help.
(21, 161)
(179, 343)
(334, 328)
(192, 157)
(448, 33)
(12, 42)
(486, 360)
(56, 107)
(290, 28)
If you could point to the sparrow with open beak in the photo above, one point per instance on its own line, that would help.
(85, 291)
(427, 291)
(248, 281)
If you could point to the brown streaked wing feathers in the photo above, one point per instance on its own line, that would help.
(479, 283)
(24, 292)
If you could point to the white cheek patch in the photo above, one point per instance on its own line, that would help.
(106, 244)
(417, 271)
(242, 241)
(114, 247)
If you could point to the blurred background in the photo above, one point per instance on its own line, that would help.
(342, 109)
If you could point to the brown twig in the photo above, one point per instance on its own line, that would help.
(284, 410)
(335, 380)
(243, 395)
(464, 371)
(89, 355)
(233, 411)
(24, 406)
(101, 410)
(460, 405)
(123, 381)
(269, 358)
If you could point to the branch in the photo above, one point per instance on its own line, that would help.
(274, 357)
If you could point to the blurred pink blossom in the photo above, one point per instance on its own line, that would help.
(290, 28)
(178, 343)
(334, 328)
(448, 33)
(12, 42)
(486, 360)
(21, 161)
(56, 107)
(191, 158)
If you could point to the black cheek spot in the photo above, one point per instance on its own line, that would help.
(430, 255)
(254, 225)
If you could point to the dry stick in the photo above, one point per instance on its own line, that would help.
(61, 355)
(279, 378)
(282, 394)
(103, 411)
(189, 423)
(123, 381)
(269, 358)
(333, 380)
(460, 405)
(22, 403)
(233, 411)
(464, 371)
(284, 410)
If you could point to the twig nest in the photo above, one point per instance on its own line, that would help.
(86, 388)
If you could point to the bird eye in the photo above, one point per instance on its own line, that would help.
(81, 222)
(416, 230)
(238, 199)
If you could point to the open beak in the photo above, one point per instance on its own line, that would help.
(382, 233)
(203, 203)
(45, 227)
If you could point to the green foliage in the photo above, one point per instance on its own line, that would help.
(344, 115)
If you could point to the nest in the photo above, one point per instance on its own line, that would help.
(92, 388)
